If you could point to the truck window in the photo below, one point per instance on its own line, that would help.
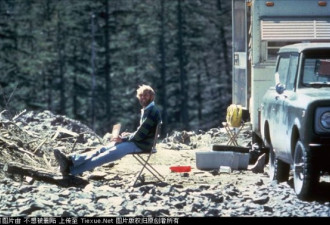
(292, 72)
(314, 71)
(323, 67)
(287, 69)
(282, 68)
(316, 67)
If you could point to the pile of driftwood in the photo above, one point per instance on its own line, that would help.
(28, 139)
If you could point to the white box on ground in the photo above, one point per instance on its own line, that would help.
(225, 169)
(214, 159)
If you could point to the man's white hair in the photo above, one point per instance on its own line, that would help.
(143, 88)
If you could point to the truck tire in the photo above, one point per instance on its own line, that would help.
(305, 173)
(278, 170)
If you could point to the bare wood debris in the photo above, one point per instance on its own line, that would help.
(28, 139)
(43, 175)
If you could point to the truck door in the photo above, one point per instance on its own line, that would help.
(289, 95)
(277, 105)
(285, 119)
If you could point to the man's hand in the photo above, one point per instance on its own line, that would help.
(117, 140)
(125, 134)
(120, 138)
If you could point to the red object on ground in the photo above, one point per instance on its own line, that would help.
(180, 169)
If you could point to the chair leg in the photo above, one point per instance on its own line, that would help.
(233, 135)
(233, 140)
(143, 166)
(152, 170)
(146, 165)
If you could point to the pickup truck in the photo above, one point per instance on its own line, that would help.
(295, 116)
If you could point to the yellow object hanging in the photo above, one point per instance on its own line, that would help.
(234, 115)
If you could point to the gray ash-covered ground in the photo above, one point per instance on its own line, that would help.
(30, 138)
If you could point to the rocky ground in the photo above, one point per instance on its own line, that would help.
(29, 139)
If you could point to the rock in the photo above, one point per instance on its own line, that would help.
(29, 180)
(213, 212)
(186, 137)
(31, 208)
(155, 211)
(67, 214)
(179, 204)
(65, 193)
(268, 209)
(26, 189)
(97, 175)
(133, 196)
(261, 200)
(260, 182)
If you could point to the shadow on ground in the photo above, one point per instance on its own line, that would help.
(322, 193)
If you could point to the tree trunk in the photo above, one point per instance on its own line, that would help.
(92, 106)
(75, 86)
(199, 98)
(163, 86)
(107, 65)
(226, 76)
(183, 76)
(60, 49)
(48, 75)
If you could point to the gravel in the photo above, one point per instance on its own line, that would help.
(109, 192)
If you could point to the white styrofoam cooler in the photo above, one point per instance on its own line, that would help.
(215, 159)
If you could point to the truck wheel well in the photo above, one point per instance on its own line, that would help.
(294, 139)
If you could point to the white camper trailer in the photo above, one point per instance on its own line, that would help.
(260, 28)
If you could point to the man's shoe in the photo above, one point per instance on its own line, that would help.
(63, 161)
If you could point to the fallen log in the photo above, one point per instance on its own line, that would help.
(43, 175)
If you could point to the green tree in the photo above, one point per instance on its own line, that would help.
(56, 57)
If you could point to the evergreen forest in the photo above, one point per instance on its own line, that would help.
(85, 59)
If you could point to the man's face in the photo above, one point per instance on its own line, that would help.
(145, 99)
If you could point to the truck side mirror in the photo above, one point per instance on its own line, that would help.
(279, 88)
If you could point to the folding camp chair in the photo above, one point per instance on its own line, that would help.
(234, 123)
(145, 161)
(233, 133)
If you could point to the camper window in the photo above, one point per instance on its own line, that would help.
(272, 48)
